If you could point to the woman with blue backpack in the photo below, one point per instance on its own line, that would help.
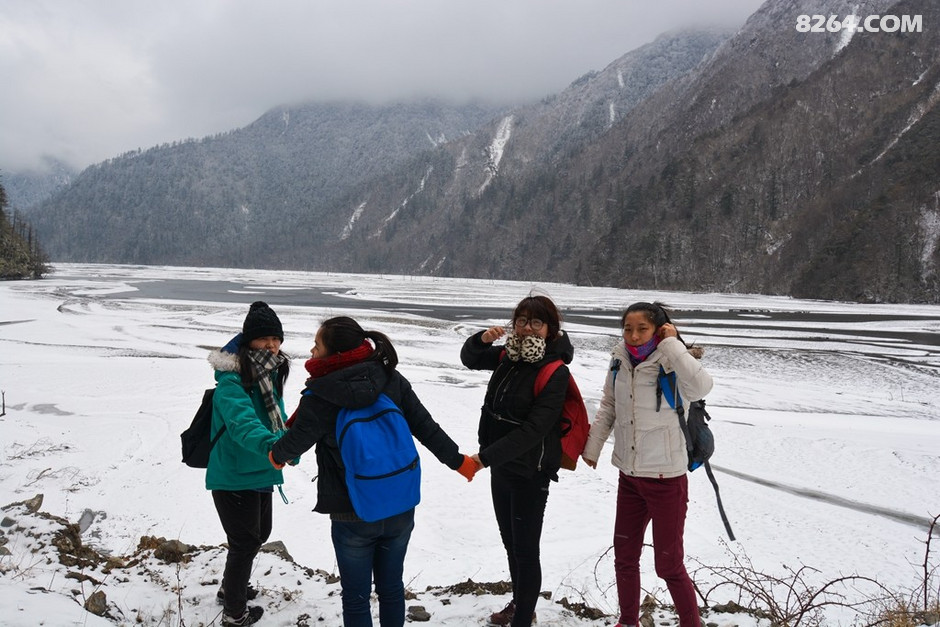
(353, 385)
(650, 452)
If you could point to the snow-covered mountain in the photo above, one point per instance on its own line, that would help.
(774, 161)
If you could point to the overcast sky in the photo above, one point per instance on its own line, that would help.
(83, 81)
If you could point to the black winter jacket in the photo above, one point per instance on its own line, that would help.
(520, 433)
(355, 386)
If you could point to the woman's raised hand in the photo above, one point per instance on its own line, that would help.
(667, 330)
(492, 334)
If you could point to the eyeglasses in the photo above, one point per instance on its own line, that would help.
(534, 323)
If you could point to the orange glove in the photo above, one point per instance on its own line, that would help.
(468, 468)
(274, 463)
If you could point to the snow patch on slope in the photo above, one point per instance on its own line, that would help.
(356, 214)
(846, 34)
(494, 153)
(404, 203)
(914, 118)
(440, 140)
(930, 225)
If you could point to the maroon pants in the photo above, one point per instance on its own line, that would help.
(664, 502)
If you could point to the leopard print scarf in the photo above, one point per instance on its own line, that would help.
(529, 348)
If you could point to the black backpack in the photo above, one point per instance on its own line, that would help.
(195, 440)
(699, 440)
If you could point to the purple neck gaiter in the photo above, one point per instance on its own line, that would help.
(641, 352)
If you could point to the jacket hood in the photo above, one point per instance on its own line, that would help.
(224, 361)
(560, 348)
(354, 386)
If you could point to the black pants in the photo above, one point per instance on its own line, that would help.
(520, 508)
(246, 519)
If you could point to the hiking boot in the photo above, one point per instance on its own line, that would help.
(505, 615)
(250, 616)
(220, 595)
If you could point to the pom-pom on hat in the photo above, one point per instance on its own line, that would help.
(261, 321)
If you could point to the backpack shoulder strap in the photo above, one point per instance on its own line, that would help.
(207, 400)
(545, 373)
(721, 507)
(615, 368)
(667, 384)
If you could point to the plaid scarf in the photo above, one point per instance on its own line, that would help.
(263, 363)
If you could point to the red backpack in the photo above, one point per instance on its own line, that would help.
(574, 417)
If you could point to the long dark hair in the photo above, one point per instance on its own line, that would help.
(544, 309)
(342, 333)
(247, 372)
(656, 312)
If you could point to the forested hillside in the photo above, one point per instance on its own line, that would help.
(787, 163)
(277, 192)
(236, 199)
(20, 254)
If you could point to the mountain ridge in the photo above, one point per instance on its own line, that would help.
(766, 160)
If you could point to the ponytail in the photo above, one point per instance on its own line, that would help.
(384, 351)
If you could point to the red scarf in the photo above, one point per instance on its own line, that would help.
(320, 366)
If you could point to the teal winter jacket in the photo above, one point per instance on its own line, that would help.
(237, 461)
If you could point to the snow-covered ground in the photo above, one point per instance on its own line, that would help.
(825, 415)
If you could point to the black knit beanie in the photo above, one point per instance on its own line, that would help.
(261, 321)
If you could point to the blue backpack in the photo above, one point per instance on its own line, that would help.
(383, 471)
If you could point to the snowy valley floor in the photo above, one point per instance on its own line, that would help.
(825, 417)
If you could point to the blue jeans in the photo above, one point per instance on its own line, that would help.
(364, 549)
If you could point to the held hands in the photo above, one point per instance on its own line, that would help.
(590, 462)
(276, 465)
(469, 467)
(492, 334)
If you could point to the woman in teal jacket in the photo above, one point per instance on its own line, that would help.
(249, 406)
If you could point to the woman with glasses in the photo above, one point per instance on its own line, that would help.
(520, 437)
